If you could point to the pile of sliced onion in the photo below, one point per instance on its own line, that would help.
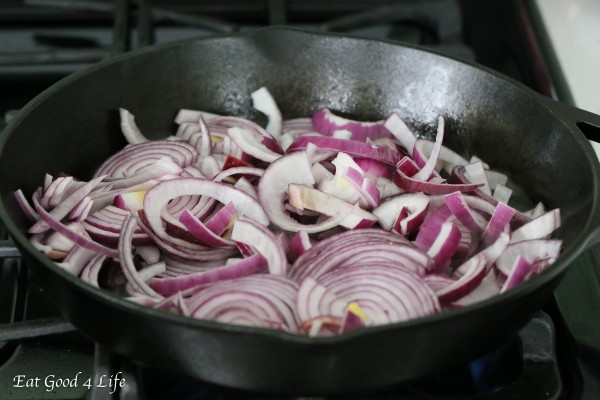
(315, 226)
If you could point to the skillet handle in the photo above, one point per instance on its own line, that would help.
(587, 122)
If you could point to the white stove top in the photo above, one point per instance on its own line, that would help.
(573, 27)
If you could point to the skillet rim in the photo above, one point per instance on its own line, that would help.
(109, 298)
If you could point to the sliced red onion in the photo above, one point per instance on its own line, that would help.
(256, 300)
(205, 147)
(401, 132)
(366, 272)
(355, 247)
(475, 159)
(486, 289)
(131, 201)
(351, 321)
(340, 185)
(61, 243)
(209, 166)
(495, 179)
(77, 238)
(150, 254)
(249, 144)
(162, 169)
(192, 172)
(538, 228)
(36, 241)
(518, 274)
(416, 205)
(272, 190)
(502, 193)
(29, 212)
(110, 219)
(129, 128)
(251, 233)
(469, 242)
(133, 157)
(498, 222)
(77, 259)
(48, 179)
(447, 159)
(247, 266)
(55, 192)
(373, 169)
(320, 173)
(478, 204)
(476, 174)
(474, 272)
(186, 130)
(415, 185)
(539, 266)
(462, 212)
(65, 207)
(352, 216)
(258, 134)
(285, 141)
(81, 210)
(342, 134)
(197, 205)
(387, 188)
(402, 215)
(298, 126)
(459, 175)
(250, 171)
(202, 232)
(159, 196)
(328, 123)
(536, 211)
(126, 260)
(177, 266)
(438, 282)
(104, 235)
(245, 186)
(384, 294)
(191, 116)
(493, 251)
(349, 183)
(445, 245)
(181, 304)
(429, 167)
(298, 245)
(430, 228)
(532, 250)
(223, 219)
(384, 142)
(351, 147)
(315, 300)
(407, 166)
(90, 272)
(264, 102)
(369, 194)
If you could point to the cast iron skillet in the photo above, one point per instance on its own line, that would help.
(73, 126)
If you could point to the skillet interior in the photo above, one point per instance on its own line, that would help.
(74, 126)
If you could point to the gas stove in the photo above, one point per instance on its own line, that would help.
(555, 356)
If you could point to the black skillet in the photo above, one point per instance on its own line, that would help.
(73, 126)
